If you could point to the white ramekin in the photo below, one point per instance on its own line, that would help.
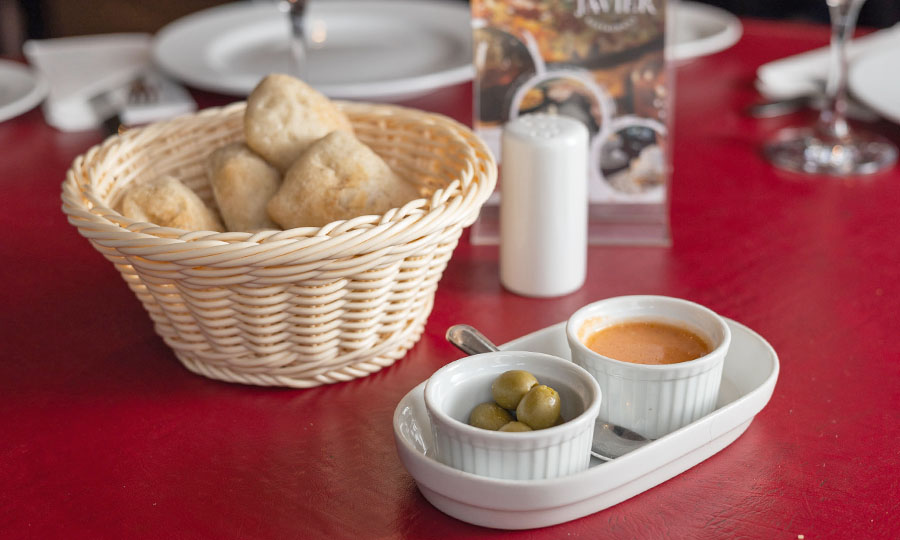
(652, 400)
(453, 390)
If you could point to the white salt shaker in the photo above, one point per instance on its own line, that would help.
(543, 205)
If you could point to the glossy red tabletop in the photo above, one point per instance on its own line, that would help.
(103, 434)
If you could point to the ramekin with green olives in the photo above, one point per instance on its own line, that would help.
(518, 452)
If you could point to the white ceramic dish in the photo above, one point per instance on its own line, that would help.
(384, 49)
(652, 400)
(700, 29)
(748, 379)
(452, 391)
(21, 89)
(875, 80)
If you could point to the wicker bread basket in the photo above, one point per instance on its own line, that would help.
(300, 307)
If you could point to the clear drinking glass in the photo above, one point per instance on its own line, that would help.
(831, 147)
(296, 12)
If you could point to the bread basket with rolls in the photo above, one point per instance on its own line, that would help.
(284, 245)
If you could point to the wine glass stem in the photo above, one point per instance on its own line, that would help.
(296, 10)
(833, 120)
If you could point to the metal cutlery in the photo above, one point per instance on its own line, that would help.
(780, 107)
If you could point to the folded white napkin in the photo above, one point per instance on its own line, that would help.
(89, 78)
(805, 73)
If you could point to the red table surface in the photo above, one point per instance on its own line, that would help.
(103, 434)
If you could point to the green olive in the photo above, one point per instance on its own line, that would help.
(490, 416)
(539, 408)
(510, 386)
(515, 426)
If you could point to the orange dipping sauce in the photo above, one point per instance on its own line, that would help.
(648, 342)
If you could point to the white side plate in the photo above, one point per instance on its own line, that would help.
(21, 88)
(751, 369)
(875, 80)
(378, 49)
(700, 29)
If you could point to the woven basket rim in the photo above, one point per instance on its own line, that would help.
(300, 307)
(81, 204)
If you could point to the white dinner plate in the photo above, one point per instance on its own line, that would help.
(875, 80)
(21, 89)
(700, 29)
(748, 380)
(376, 49)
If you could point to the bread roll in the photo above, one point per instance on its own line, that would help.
(242, 183)
(284, 116)
(338, 177)
(165, 201)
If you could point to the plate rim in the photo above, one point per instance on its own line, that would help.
(381, 89)
(729, 35)
(30, 100)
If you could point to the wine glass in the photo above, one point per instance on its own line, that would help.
(831, 147)
(296, 12)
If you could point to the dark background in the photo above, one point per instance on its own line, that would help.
(874, 13)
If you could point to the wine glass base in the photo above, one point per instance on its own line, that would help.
(808, 150)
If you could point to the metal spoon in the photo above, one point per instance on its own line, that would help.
(780, 107)
(610, 441)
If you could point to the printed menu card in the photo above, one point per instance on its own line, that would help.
(601, 62)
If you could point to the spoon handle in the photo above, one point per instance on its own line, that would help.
(779, 107)
(469, 340)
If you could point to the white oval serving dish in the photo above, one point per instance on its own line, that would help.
(748, 379)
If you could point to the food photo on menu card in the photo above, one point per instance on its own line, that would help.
(310, 201)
